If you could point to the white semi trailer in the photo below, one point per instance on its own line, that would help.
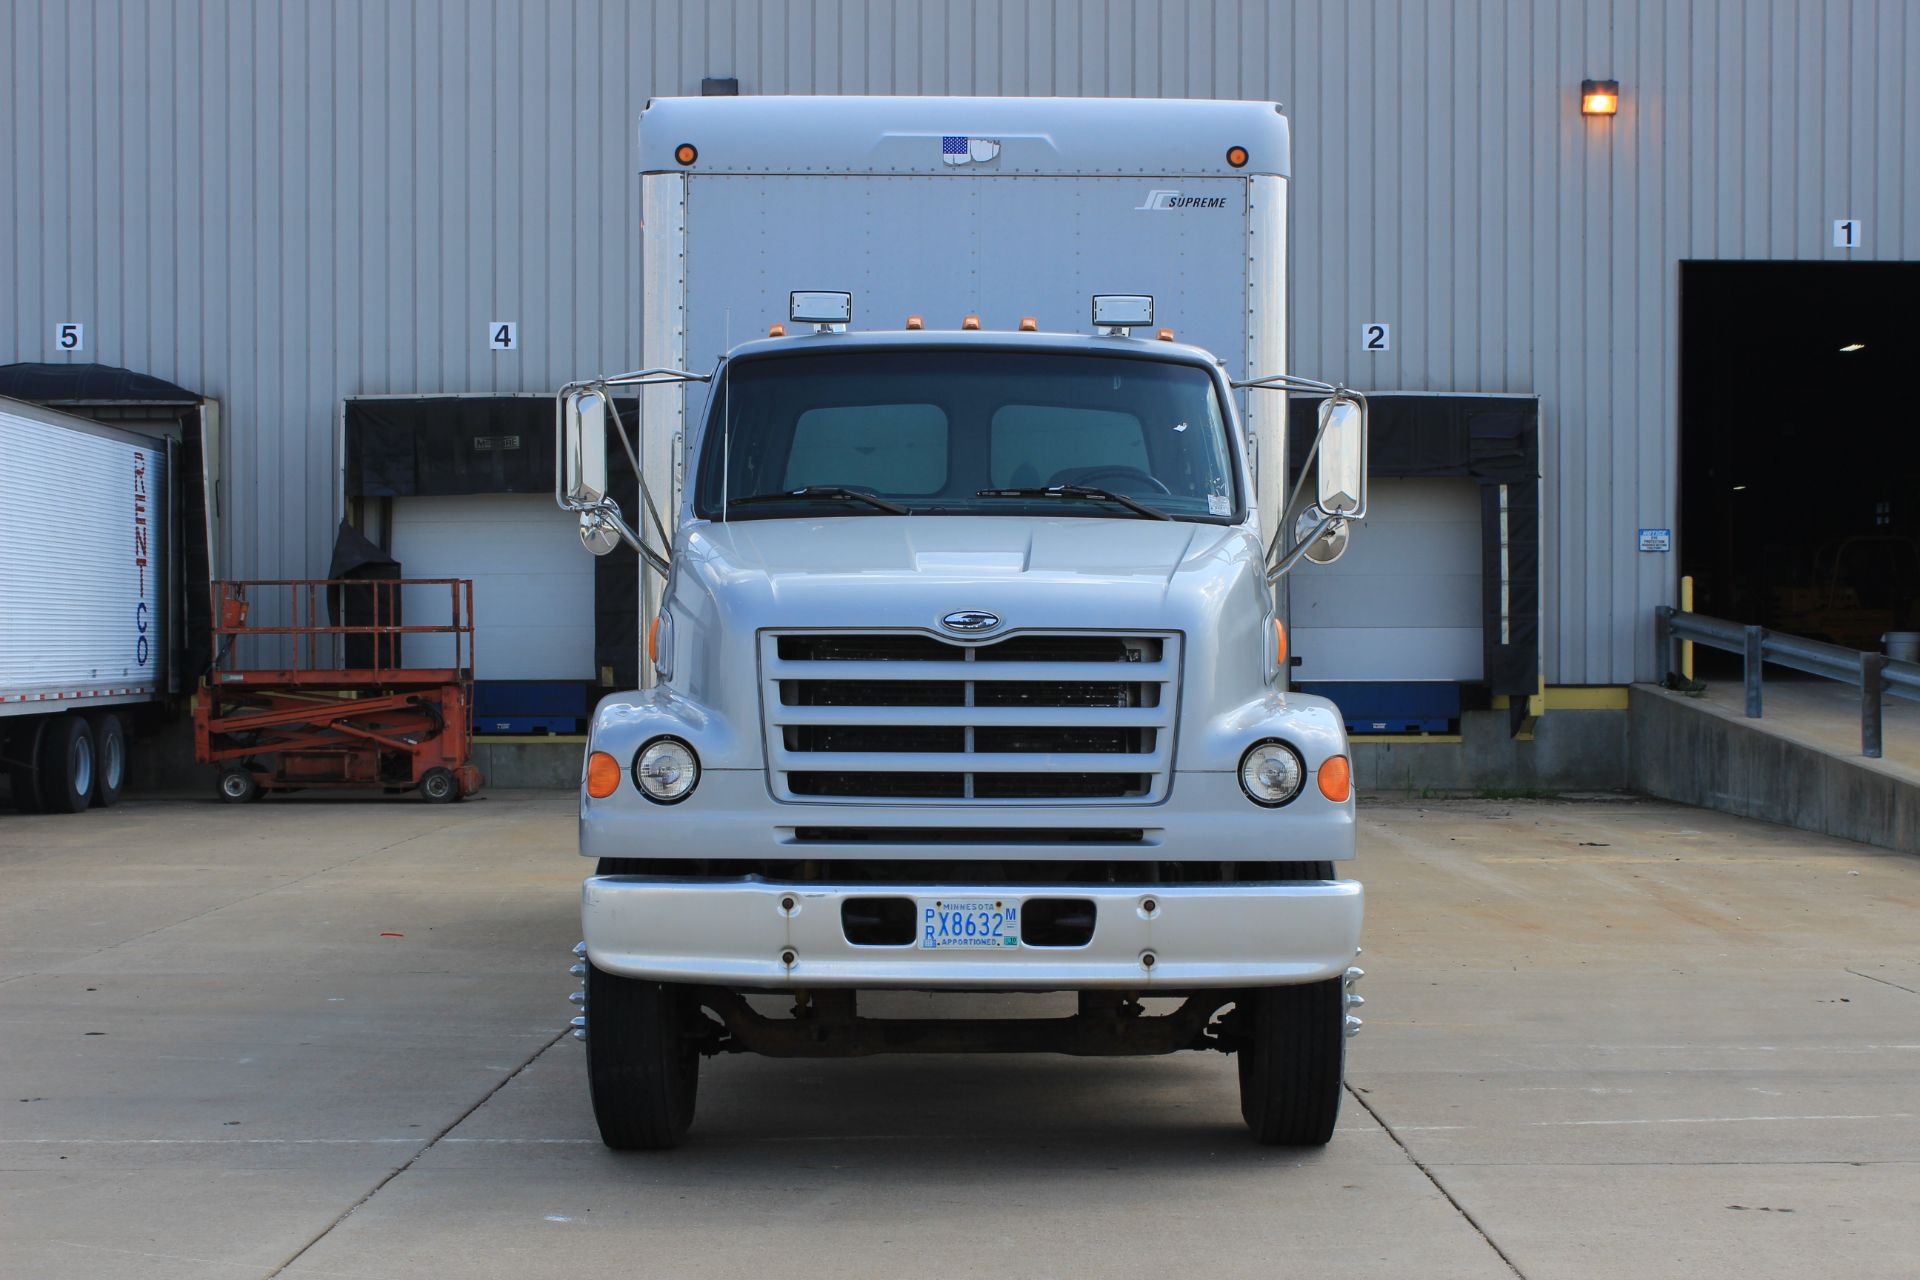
(964, 508)
(86, 588)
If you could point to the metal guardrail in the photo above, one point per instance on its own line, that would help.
(1874, 674)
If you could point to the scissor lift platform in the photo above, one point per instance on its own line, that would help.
(301, 701)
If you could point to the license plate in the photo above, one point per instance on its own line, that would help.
(979, 924)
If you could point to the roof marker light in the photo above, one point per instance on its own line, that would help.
(1029, 324)
(776, 331)
(915, 323)
(686, 153)
(1166, 335)
(971, 322)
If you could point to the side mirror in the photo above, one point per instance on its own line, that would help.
(1342, 476)
(583, 448)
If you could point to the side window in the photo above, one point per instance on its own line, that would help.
(892, 448)
(1031, 444)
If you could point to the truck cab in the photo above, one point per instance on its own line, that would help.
(968, 673)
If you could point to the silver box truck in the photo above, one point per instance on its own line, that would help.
(965, 668)
(85, 593)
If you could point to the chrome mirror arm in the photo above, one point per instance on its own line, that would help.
(605, 516)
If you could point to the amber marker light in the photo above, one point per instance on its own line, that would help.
(971, 322)
(686, 153)
(603, 775)
(1237, 157)
(776, 331)
(1599, 97)
(915, 323)
(1336, 779)
(1029, 324)
(653, 641)
(1166, 335)
(1280, 643)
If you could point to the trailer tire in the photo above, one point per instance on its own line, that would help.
(1292, 1060)
(25, 773)
(439, 786)
(68, 765)
(238, 786)
(643, 1069)
(110, 743)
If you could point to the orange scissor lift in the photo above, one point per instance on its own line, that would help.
(304, 702)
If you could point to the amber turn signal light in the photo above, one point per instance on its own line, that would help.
(603, 775)
(1336, 779)
(1280, 644)
(653, 641)
(686, 153)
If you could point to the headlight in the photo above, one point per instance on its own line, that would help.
(1271, 773)
(666, 771)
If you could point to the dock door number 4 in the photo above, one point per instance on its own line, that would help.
(503, 335)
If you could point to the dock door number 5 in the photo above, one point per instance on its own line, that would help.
(70, 336)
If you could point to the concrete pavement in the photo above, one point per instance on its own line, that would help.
(323, 1038)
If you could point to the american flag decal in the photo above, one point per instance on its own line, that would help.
(964, 150)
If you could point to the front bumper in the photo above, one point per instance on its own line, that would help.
(755, 934)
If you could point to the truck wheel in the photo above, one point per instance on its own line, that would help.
(237, 786)
(67, 765)
(643, 1070)
(110, 740)
(1291, 1062)
(438, 786)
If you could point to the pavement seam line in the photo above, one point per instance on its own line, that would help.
(1870, 978)
(414, 1159)
(1439, 1186)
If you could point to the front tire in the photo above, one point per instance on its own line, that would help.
(643, 1068)
(1292, 1061)
(438, 786)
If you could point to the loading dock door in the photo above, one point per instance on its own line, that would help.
(1404, 603)
(532, 585)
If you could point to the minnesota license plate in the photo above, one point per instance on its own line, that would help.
(981, 924)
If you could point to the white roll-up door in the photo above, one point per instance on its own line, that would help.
(532, 583)
(1404, 602)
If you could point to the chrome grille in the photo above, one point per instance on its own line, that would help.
(909, 717)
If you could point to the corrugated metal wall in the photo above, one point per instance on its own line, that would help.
(282, 206)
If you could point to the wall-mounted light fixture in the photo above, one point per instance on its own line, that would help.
(1855, 346)
(1599, 97)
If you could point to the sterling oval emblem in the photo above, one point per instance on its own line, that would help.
(970, 620)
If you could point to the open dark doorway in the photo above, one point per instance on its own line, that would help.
(1800, 445)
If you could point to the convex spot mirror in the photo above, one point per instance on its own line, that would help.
(1330, 545)
(597, 533)
(584, 448)
(1342, 477)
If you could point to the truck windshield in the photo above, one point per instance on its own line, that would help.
(984, 433)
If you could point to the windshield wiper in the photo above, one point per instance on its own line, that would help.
(1076, 491)
(827, 491)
